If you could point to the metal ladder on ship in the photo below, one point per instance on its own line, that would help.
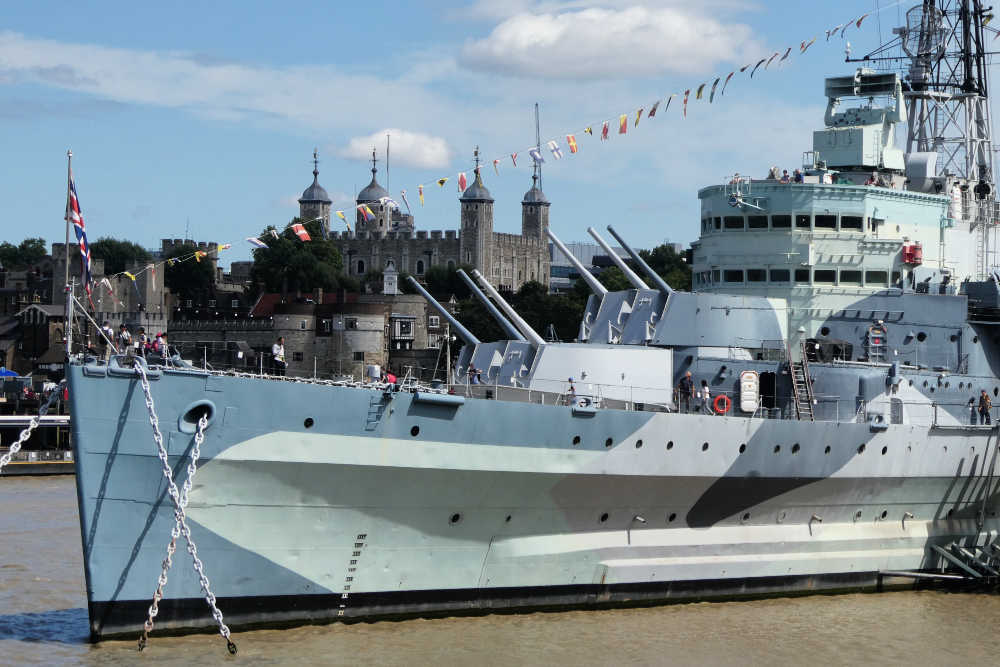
(376, 408)
(802, 386)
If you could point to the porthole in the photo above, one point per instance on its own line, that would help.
(795, 448)
(607, 443)
(455, 518)
(704, 446)
(415, 431)
(507, 520)
(743, 447)
(638, 444)
(827, 450)
(673, 515)
(996, 390)
(884, 450)
(308, 423)
(781, 516)
(604, 517)
(670, 445)
(921, 336)
(975, 339)
(746, 517)
(576, 440)
(777, 448)
(953, 338)
(884, 514)
(825, 331)
(911, 383)
(861, 448)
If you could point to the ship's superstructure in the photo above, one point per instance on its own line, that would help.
(810, 417)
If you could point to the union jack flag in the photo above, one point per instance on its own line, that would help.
(76, 217)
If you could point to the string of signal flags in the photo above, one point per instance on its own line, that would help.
(603, 131)
(618, 124)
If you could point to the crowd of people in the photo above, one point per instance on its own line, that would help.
(124, 342)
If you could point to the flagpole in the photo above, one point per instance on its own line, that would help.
(68, 326)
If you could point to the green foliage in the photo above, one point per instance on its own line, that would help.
(187, 277)
(118, 255)
(289, 264)
(670, 265)
(444, 282)
(29, 251)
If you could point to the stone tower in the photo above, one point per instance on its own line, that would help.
(371, 196)
(535, 213)
(477, 225)
(315, 202)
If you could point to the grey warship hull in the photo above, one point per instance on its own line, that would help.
(396, 503)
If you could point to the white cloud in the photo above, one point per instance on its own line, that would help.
(413, 149)
(610, 43)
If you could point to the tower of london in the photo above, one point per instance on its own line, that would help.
(391, 237)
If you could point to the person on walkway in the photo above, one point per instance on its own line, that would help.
(278, 354)
(685, 391)
(984, 407)
(705, 394)
(124, 339)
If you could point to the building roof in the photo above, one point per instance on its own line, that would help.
(477, 191)
(315, 192)
(50, 310)
(535, 194)
(267, 302)
(372, 192)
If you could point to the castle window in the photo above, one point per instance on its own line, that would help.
(296, 356)
(434, 321)
(235, 303)
(451, 265)
(211, 303)
(420, 267)
(361, 267)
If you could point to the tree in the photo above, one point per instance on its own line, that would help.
(670, 265)
(187, 277)
(118, 255)
(289, 263)
(30, 251)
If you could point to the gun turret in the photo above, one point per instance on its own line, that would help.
(519, 322)
(497, 315)
(632, 276)
(660, 283)
(463, 333)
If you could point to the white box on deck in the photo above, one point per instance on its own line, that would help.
(626, 373)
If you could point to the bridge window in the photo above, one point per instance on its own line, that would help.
(780, 275)
(732, 276)
(716, 276)
(826, 222)
(756, 275)
(803, 221)
(757, 221)
(851, 222)
(718, 223)
(850, 277)
(781, 222)
(828, 276)
(876, 277)
(734, 222)
(802, 276)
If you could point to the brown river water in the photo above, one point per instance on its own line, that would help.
(43, 620)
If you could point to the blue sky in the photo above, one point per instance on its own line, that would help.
(207, 113)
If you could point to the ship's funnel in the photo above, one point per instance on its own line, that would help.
(497, 315)
(660, 283)
(463, 333)
(588, 277)
(518, 321)
(632, 276)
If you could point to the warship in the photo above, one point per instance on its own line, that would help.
(845, 324)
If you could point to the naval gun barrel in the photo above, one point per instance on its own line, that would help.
(497, 315)
(588, 277)
(660, 283)
(464, 333)
(632, 276)
(518, 321)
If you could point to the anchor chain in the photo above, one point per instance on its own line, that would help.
(181, 527)
(32, 425)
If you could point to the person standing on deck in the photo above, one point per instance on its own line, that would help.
(984, 407)
(278, 354)
(685, 391)
(706, 398)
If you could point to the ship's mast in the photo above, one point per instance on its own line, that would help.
(942, 58)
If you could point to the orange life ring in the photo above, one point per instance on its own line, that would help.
(722, 398)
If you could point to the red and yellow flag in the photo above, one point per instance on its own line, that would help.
(571, 140)
(623, 123)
